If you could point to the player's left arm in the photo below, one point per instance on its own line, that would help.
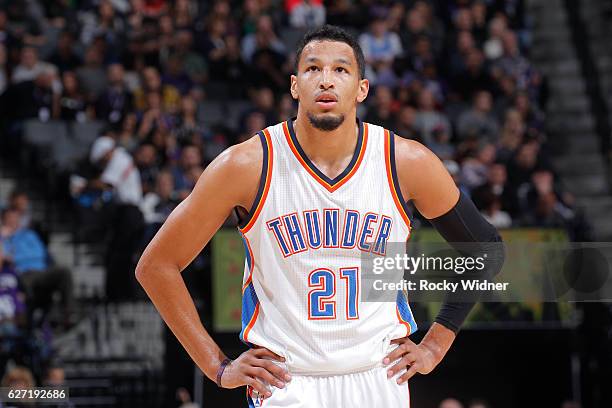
(424, 180)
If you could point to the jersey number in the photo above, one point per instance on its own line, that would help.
(321, 303)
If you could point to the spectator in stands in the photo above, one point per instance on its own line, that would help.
(151, 82)
(497, 186)
(478, 403)
(126, 136)
(380, 47)
(405, 123)
(119, 174)
(286, 108)
(29, 66)
(234, 68)
(175, 75)
(474, 77)
(122, 215)
(254, 122)
(146, 160)
(40, 280)
(479, 122)
(263, 102)
(155, 118)
(307, 14)
(64, 57)
(493, 46)
(18, 377)
(214, 47)
(475, 168)
(191, 157)
(440, 144)
(381, 111)
(522, 165)
(20, 202)
(188, 129)
(416, 27)
(91, 75)
(428, 119)
(512, 134)
(532, 117)
(158, 204)
(194, 65)
(116, 101)
(33, 99)
(512, 62)
(450, 403)
(12, 305)
(492, 211)
(73, 103)
(105, 23)
(264, 38)
(549, 212)
(266, 70)
(55, 375)
(183, 13)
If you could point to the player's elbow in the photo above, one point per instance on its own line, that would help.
(145, 269)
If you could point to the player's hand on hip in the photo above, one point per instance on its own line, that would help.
(254, 367)
(416, 358)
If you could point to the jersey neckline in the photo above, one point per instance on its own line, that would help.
(330, 184)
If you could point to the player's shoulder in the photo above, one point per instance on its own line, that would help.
(408, 151)
(242, 157)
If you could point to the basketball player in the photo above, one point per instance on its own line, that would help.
(314, 193)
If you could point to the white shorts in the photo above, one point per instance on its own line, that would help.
(371, 389)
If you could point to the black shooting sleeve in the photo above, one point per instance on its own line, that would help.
(466, 230)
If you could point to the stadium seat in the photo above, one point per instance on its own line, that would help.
(42, 134)
(211, 113)
(85, 133)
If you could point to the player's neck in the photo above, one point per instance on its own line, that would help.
(327, 148)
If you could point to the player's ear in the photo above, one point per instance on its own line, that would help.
(294, 92)
(364, 88)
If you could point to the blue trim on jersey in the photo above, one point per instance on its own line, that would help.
(262, 180)
(396, 183)
(250, 400)
(314, 168)
(247, 253)
(405, 312)
(249, 303)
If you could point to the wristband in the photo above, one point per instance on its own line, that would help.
(224, 364)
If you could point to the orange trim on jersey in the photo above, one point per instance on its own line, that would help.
(402, 321)
(245, 336)
(392, 185)
(335, 186)
(252, 266)
(262, 200)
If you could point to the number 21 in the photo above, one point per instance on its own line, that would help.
(321, 303)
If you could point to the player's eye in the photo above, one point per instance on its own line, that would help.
(313, 68)
(340, 69)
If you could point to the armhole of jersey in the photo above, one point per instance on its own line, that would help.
(394, 185)
(264, 183)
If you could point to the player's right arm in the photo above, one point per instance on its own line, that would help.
(230, 180)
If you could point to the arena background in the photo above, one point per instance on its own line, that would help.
(515, 96)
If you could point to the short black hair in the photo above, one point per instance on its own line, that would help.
(329, 32)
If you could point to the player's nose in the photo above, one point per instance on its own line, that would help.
(326, 80)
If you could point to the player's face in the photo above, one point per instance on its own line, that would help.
(327, 83)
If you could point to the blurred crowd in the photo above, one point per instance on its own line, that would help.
(453, 74)
(174, 83)
(481, 403)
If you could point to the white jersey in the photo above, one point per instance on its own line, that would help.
(304, 241)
